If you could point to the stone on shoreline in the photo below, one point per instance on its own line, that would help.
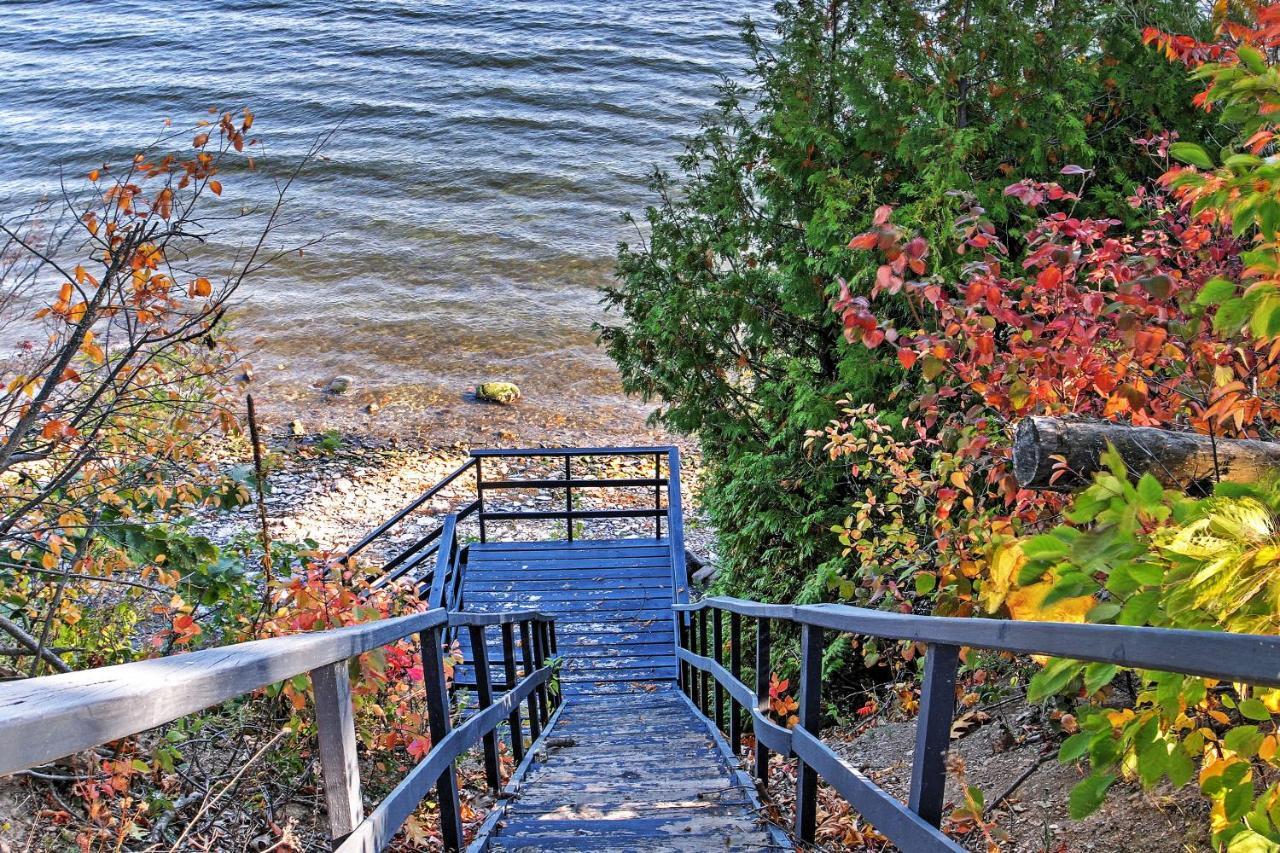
(338, 385)
(503, 393)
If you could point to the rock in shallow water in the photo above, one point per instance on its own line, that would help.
(504, 393)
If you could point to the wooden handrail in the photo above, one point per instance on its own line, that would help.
(1248, 658)
(42, 719)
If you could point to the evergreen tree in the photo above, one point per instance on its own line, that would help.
(854, 104)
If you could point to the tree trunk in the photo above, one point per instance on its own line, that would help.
(1182, 460)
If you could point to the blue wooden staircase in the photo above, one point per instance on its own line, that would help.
(626, 762)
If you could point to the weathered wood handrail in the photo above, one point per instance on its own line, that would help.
(1248, 658)
(42, 719)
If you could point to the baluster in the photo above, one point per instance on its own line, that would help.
(438, 719)
(717, 640)
(480, 497)
(933, 732)
(540, 658)
(335, 724)
(484, 693)
(682, 642)
(763, 671)
(704, 677)
(546, 628)
(568, 496)
(526, 645)
(657, 495)
(509, 672)
(735, 668)
(811, 721)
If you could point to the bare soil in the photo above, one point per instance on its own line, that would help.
(1034, 817)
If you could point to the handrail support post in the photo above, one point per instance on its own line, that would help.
(763, 671)
(438, 720)
(509, 672)
(810, 713)
(933, 732)
(484, 695)
(735, 668)
(336, 731)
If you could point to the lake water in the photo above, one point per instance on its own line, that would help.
(472, 194)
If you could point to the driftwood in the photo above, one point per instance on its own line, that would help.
(1182, 460)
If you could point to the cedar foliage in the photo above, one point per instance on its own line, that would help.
(850, 105)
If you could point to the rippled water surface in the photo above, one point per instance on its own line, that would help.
(472, 194)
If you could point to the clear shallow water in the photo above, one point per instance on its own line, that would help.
(472, 194)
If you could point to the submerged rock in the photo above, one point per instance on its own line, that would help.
(504, 393)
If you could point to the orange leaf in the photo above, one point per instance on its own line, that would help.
(216, 187)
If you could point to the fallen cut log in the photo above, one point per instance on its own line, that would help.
(1181, 460)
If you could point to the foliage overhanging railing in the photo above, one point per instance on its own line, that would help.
(43, 719)
(913, 826)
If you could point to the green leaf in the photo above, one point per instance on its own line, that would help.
(926, 582)
(1215, 291)
(1231, 316)
(931, 367)
(1252, 58)
(1074, 747)
(1243, 740)
(1098, 676)
(1052, 679)
(1249, 841)
(1150, 492)
(1189, 152)
(1253, 709)
(1179, 768)
(1088, 795)
(1045, 547)
(1153, 761)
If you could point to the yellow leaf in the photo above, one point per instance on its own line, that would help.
(1028, 603)
(1002, 568)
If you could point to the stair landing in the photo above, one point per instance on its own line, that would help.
(611, 599)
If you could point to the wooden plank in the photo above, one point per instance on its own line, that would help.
(577, 615)
(576, 597)
(605, 584)
(57, 715)
(643, 556)
(562, 544)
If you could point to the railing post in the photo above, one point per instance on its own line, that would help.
(438, 719)
(657, 495)
(540, 656)
(480, 496)
(811, 645)
(763, 671)
(526, 645)
(568, 495)
(735, 668)
(484, 694)
(335, 725)
(717, 640)
(548, 650)
(704, 677)
(933, 732)
(509, 672)
(682, 642)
